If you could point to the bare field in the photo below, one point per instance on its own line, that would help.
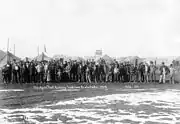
(90, 103)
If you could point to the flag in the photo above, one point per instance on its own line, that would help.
(45, 49)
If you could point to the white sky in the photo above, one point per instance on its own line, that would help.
(79, 27)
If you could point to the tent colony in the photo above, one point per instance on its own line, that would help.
(7, 58)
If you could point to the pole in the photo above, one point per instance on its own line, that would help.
(42, 56)
(38, 50)
(8, 45)
(7, 53)
(14, 49)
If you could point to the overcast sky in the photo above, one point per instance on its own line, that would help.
(79, 27)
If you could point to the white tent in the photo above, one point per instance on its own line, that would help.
(8, 57)
(42, 57)
(27, 59)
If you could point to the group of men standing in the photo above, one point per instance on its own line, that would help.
(84, 71)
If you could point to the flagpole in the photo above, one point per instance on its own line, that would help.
(42, 56)
(8, 45)
(7, 50)
(14, 49)
(45, 48)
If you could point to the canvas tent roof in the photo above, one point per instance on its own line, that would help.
(121, 59)
(64, 57)
(2, 54)
(77, 58)
(90, 57)
(159, 60)
(42, 57)
(177, 59)
(7, 58)
(57, 57)
(107, 59)
(132, 59)
(27, 59)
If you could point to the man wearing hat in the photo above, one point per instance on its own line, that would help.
(15, 72)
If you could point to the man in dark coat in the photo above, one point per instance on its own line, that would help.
(122, 72)
(32, 72)
(9, 72)
(15, 69)
(102, 73)
(27, 72)
(5, 74)
(79, 72)
(22, 72)
(83, 72)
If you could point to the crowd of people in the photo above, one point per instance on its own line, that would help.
(84, 71)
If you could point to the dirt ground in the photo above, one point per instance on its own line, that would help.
(73, 103)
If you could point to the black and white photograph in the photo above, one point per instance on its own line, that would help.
(89, 61)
